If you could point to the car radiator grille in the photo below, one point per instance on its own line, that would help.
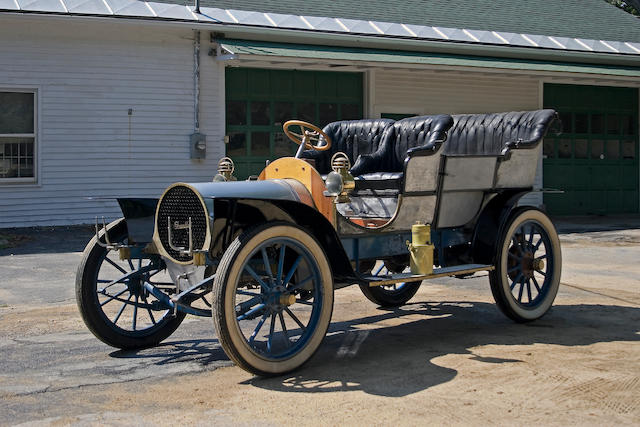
(181, 203)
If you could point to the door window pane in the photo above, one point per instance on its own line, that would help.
(613, 125)
(582, 123)
(307, 112)
(282, 146)
(613, 150)
(328, 113)
(283, 112)
(629, 149)
(566, 119)
(548, 148)
(597, 123)
(351, 112)
(581, 149)
(237, 144)
(597, 149)
(260, 113)
(564, 149)
(627, 125)
(16, 112)
(260, 144)
(236, 113)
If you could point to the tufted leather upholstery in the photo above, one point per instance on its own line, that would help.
(491, 133)
(405, 135)
(352, 137)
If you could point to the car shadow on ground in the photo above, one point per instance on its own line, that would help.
(392, 353)
(398, 360)
(202, 351)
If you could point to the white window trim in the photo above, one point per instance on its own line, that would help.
(35, 180)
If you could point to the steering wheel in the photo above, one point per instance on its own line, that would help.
(308, 136)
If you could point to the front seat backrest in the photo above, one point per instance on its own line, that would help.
(410, 133)
(352, 137)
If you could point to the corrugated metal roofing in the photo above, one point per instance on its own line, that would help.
(380, 28)
(244, 48)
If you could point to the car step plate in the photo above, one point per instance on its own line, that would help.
(437, 272)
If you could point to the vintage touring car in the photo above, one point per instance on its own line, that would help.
(377, 203)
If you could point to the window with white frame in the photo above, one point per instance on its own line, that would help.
(17, 136)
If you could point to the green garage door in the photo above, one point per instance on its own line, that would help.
(595, 158)
(259, 101)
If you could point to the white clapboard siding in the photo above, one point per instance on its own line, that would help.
(437, 92)
(88, 76)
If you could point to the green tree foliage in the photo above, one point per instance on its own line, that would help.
(630, 6)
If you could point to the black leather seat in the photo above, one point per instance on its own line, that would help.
(381, 173)
(490, 134)
(352, 137)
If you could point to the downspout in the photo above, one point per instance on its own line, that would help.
(196, 79)
(197, 140)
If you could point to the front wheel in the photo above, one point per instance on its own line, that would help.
(272, 298)
(528, 265)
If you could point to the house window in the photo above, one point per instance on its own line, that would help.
(17, 136)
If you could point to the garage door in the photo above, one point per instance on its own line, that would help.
(259, 101)
(595, 159)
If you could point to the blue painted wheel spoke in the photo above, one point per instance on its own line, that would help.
(267, 266)
(284, 328)
(521, 289)
(292, 270)
(280, 264)
(130, 264)
(257, 329)
(251, 312)
(515, 281)
(514, 256)
(299, 301)
(271, 329)
(535, 248)
(535, 283)
(112, 297)
(541, 257)
(529, 290)
(135, 314)
(512, 269)
(530, 242)
(300, 284)
(115, 321)
(103, 281)
(122, 270)
(257, 278)
(379, 270)
(295, 319)
(540, 272)
(243, 292)
(153, 320)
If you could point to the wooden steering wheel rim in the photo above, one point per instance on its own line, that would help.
(298, 138)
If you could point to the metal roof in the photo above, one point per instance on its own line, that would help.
(182, 13)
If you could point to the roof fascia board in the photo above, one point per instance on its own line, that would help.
(284, 35)
(238, 58)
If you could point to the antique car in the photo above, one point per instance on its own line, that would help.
(378, 203)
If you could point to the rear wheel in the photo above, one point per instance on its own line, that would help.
(528, 265)
(272, 298)
(392, 295)
(112, 300)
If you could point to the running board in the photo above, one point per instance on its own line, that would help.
(437, 272)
